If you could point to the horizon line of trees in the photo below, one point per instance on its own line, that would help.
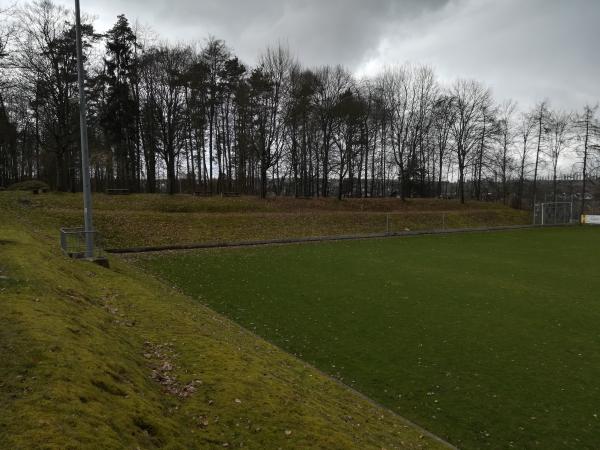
(196, 113)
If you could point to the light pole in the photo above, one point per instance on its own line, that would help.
(85, 162)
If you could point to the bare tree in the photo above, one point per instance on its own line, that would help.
(469, 101)
(443, 118)
(558, 132)
(214, 56)
(349, 112)
(525, 129)
(587, 128)
(410, 93)
(7, 30)
(168, 64)
(488, 131)
(397, 90)
(47, 65)
(271, 82)
(541, 115)
(159, 110)
(7, 129)
(506, 136)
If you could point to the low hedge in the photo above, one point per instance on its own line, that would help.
(28, 185)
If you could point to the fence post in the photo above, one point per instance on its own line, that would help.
(571, 213)
(387, 223)
(63, 241)
(443, 221)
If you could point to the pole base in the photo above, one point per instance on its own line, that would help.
(100, 260)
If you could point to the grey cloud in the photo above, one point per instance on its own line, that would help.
(527, 50)
(317, 31)
(524, 49)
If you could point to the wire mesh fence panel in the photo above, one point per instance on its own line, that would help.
(553, 213)
(450, 220)
(73, 243)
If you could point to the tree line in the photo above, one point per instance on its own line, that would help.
(198, 119)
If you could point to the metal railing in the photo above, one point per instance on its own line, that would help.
(73, 243)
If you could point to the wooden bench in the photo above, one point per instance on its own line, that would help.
(202, 194)
(230, 194)
(117, 191)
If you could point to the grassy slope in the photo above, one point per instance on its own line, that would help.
(487, 339)
(79, 344)
(139, 220)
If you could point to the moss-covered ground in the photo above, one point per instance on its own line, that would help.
(95, 358)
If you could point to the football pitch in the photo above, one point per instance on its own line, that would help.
(490, 340)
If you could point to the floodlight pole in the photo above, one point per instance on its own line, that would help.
(85, 162)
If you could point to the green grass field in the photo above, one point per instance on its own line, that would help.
(487, 339)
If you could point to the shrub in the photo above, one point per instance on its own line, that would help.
(28, 185)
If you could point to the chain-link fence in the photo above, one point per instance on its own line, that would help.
(262, 229)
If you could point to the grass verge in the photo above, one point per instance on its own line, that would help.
(159, 220)
(112, 358)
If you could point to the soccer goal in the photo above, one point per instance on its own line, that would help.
(553, 213)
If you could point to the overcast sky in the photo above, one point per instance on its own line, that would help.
(524, 49)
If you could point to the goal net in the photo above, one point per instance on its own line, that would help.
(553, 213)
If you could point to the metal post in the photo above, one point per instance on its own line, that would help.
(542, 214)
(571, 213)
(443, 221)
(387, 224)
(85, 163)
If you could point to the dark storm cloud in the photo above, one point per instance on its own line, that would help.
(524, 49)
(318, 31)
